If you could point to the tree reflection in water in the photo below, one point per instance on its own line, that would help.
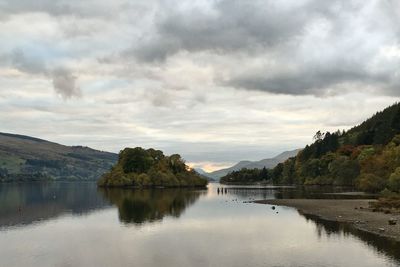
(150, 205)
(382, 245)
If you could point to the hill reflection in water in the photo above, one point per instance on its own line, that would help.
(28, 203)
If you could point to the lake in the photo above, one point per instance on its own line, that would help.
(77, 224)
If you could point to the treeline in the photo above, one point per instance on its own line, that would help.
(60, 170)
(23, 177)
(247, 176)
(138, 167)
(366, 156)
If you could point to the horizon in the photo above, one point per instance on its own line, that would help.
(116, 152)
(205, 166)
(215, 81)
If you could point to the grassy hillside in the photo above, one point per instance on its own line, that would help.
(24, 158)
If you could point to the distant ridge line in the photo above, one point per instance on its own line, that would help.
(20, 136)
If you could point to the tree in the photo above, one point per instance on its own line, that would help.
(264, 174)
(371, 183)
(318, 136)
(311, 169)
(344, 171)
(288, 171)
(157, 155)
(135, 160)
(277, 174)
(394, 180)
(176, 163)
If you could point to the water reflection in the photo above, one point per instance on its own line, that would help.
(320, 192)
(26, 203)
(382, 245)
(207, 229)
(140, 206)
(387, 248)
(290, 192)
(247, 193)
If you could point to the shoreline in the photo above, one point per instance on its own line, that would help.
(152, 187)
(355, 212)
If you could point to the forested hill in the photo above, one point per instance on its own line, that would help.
(367, 156)
(379, 129)
(264, 163)
(25, 158)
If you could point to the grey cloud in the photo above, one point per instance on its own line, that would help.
(341, 53)
(28, 64)
(233, 25)
(155, 50)
(47, 6)
(161, 98)
(64, 83)
(199, 99)
(326, 43)
(57, 8)
(307, 81)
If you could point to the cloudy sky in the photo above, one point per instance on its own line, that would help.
(214, 80)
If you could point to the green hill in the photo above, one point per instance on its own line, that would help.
(138, 167)
(367, 157)
(25, 158)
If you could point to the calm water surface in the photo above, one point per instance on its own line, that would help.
(65, 224)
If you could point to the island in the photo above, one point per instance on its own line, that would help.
(141, 168)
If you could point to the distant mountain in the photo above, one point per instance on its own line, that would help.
(25, 158)
(267, 163)
(200, 171)
(204, 174)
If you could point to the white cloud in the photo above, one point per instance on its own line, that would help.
(171, 74)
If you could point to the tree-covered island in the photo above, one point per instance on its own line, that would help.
(138, 167)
